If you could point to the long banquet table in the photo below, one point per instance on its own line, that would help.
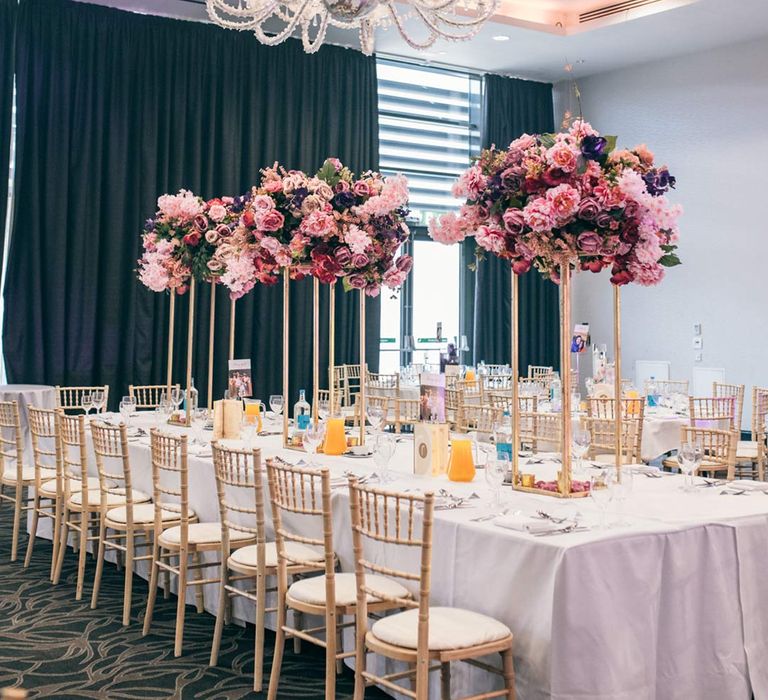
(668, 607)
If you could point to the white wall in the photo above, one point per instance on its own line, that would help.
(706, 116)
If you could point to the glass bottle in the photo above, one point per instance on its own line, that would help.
(302, 411)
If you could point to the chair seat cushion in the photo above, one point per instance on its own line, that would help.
(449, 628)
(312, 590)
(199, 533)
(49, 487)
(746, 449)
(114, 498)
(246, 556)
(142, 513)
(27, 474)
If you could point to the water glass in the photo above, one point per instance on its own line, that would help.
(580, 440)
(375, 416)
(601, 492)
(98, 400)
(276, 404)
(689, 457)
(164, 410)
(311, 438)
(247, 431)
(496, 471)
(86, 401)
(127, 408)
(383, 450)
(199, 419)
(177, 396)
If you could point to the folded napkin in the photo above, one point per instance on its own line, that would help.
(525, 523)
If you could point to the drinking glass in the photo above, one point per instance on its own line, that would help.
(580, 439)
(199, 419)
(311, 439)
(276, 404)
(98, 399)
(86, 401)
(496, 471)
(375, 416)
(164, 409)
(323, 408)
(382, 453)
(177, 396)
(127, 408)
(689, 457)
(601, 492)
(589, 385)
(247, 431)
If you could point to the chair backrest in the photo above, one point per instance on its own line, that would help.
(407, 411)
(500, 398)
(325, 395)
(713, 412)
(497, 382)
(239, 481)
(602, 433)
(148, 395)
(69, 398)
(718, 448)
(759, 410)
(632, 410)
(390, 382)
(539, 371)
(528, 386)
(46, 450)
(480, 418)
(170, 480)
(74, 455)
(736, 391)
(303, 494)
(390, 519)
(538, 428)
(669, 386)
(11, 443)
(110, 445)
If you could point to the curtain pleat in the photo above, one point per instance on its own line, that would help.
(115, 108)
(7, 45)
(513, 107)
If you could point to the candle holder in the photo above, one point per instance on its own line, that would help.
(562, 486)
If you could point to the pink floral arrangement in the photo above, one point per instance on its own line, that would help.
(182, 239)
(331, 225)
(568, 198)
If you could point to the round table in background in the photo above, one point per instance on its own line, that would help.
(37, 395)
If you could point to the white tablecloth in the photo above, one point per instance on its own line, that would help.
(661, 432)
(669, 607)
(37, 395)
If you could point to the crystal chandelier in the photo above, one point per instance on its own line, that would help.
(454, 20)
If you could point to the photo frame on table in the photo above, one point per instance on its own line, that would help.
(239, 379)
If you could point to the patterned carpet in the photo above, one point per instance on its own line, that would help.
(55, 647)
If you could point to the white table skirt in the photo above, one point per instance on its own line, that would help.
(669, 607)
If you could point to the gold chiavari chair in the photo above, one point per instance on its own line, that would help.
(426, 638)
(301, 494)
(736, 391)
(407, 413)
(48, 500)
(480, 418)
(750, 454)
(538, 371)
(352, 378)
(126, 528)
(239, 482)
(170, 490)
(70, 398)
(385, 403)
(13, 473)
(470, 391)
(452, 406)
(540, 431)
(631, 410)
(338, 378)
(499, 399)
(718, 449)
(496, 382)
(712, 412)
(325, 395)
(389, 382)
(602, 432)
(147, 396)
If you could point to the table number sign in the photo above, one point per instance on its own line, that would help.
(430, 453)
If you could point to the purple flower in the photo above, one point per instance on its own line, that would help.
(344, 200)
(513, 221)
(149, 224)
(589, 242)
(343, 255)
(588, 209)
(357, 281)
(659, 181)
(359, 260)
(404, 263)
(603, 220)
(592, 147)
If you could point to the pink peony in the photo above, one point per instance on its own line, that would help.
(357, 239)
(562, 157)
(394, 278)
(270, 220)
(514, 221)
(262, 202)
(217, 212)
(447, 229)
(470, 183)
(318, 224)
(490, 239)
(564, 201)
(393, 195)
(645, 274)
(538, 215)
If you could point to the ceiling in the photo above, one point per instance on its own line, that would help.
(538, 48)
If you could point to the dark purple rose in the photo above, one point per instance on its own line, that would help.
(554, 176)
(357, 281)
(659, 181)
(592, 147)
(359, 260)
(223, 231)
(404, 263)
(603, 220)
(344, 200)
(630, 233)
(149, 224)
(513, 221)
(201, 223)
(588, 209)
(343, 255)
(589, 242)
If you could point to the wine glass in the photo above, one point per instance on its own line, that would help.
(601, 492)
(496, 471)
(276, 405)
(311, 438)
(375, 416)
(689, 457)
(98, 399)
(580, 440)
(164, 409)
(199, 419)
(323, 408)
(127, 408)
(382, 453)
(86, 401)
(177, 396)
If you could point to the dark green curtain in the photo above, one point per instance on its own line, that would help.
(115, 108)
(513, 107)
(7, 41)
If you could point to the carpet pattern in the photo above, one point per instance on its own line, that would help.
(55, 647)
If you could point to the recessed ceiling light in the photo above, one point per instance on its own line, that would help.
(501, 37)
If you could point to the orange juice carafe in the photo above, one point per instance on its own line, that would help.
(253, 412)
(461, 466)
(469, 375)
(335, 437)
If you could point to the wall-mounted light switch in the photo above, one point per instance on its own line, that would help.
(697, 329)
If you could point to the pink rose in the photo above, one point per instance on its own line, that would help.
(192, 239)
(342, 186)
(343, 256)
(201, 222)
(273, 186)
(490, 239)
(217, 212)
(538, 215)
(590, 242)
(270, 220)
(211, 237)
(359, 260)
(356, 281)
(223, 231)
(404, 263)
(262, 202)
(394, 278)
(588, 209)
(270, 244)
(520, 267)
(514, 221)
(361, 189)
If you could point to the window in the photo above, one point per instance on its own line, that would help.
(429, 131)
